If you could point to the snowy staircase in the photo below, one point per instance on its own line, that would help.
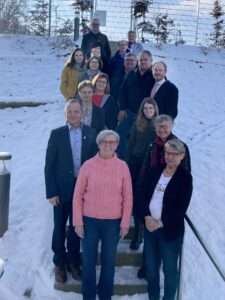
(125, 281)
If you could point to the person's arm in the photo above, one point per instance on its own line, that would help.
(64, 83)
(50, 168)
(107, 50)
(78, 195)
(172, 102)
(127, 198)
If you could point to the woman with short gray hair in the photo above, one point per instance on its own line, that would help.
(102, 207)
(166, 194)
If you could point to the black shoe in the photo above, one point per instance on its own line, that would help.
(141, 274)
(135, 244)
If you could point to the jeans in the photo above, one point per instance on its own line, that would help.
(106, 231)
(157, 249)
(62, 212)
(123, 129)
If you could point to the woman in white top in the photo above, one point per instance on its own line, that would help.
(166, 193)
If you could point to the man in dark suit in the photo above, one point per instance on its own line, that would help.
(68, 148)
(164, 92)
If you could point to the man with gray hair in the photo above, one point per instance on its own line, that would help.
(134, 46)
(96, 36)
(68, 148)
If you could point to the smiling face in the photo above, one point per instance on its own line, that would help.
(108, 146)
(172, 157)
(130, 62)
(131, 37)
(159, 71)
(148, 110)
(78, 57)
(94, 64)
(163, 130)
(86, 94)
(101, 85)
(122, 46)
(74, 114)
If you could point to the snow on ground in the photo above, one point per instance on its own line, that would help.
(30, 69)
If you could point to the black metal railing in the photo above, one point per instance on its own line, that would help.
(212, 259)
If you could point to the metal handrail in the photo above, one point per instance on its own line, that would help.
(198, 236)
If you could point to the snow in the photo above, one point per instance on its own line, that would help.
(30, 70)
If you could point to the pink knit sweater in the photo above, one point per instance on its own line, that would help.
(103, 190)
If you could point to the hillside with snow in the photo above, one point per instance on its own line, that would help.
(30, 70)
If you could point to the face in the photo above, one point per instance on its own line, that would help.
(163, 130)
(78, 57)
(122, 46)
(130, 63)
(148, 110)
(107, 146)
(95, 25)
(86, 94)
(145, 62)
(94, 64)
(159, 72)
(131, 37)
(172, 157)
(96, 51)
(101, 84)
(74, 114)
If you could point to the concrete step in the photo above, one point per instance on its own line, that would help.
(125, 282)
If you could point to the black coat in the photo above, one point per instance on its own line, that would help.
(111, 111)
(59, 172)
(167, 99)
(90, 38)
(98, 118)
(134, 89)
(176, 199)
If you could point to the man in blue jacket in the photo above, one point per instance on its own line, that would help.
(68, 148)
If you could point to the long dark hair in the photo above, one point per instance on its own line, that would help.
(142, 121)
(71, 60)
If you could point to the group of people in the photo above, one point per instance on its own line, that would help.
(117, 156)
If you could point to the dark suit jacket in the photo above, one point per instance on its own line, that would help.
(176, 199)
(167, 99)
(98, 118)
(59, 173)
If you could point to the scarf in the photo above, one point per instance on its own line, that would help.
(158, 157)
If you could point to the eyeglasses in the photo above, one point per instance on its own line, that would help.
(111, 143)
(173, 154)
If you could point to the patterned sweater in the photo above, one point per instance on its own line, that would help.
(103, 190)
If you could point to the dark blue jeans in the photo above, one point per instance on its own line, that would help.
(123, 129)
(157, 249)
(106, 231)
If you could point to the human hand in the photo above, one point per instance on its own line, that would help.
(122, 116)
(79, 229)
(152, 224)
(54, 200)
(123, 232)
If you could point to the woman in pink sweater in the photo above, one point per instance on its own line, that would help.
(102, 205)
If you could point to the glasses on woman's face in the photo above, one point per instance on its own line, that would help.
(173, 154)
(110, 143)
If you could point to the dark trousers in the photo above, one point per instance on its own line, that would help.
(123, 129)
(106, 231)
(71, 253)
(157, 249)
